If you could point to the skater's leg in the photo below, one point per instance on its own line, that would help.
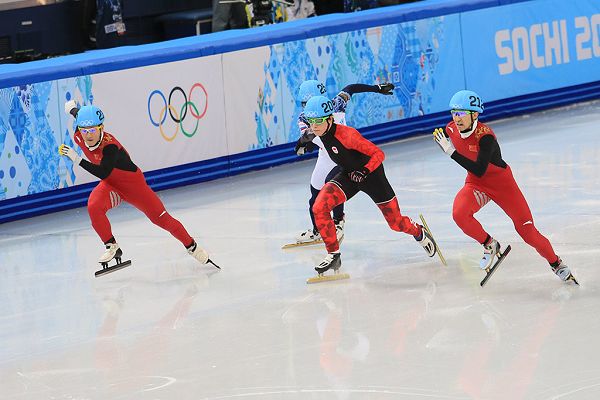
(512, 201)
(311, 235)
(311, 202)
(322, 168)
(398, 222)
(102, 199)
(378, 188)
(338, 211)
(330, 196)
(141, 196)
(467, 202)
(145, 200)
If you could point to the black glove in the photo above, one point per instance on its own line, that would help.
(304, 147)
(386, 88)
(359, 176)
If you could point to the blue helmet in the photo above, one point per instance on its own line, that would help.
(89, 116)
(318, 106)
(311, 88)
(466, 100)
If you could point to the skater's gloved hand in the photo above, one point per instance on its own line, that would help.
(443, 140)
(300, 148)
(304, 147)
(66, 151)
(386, 88)
(71, 108)
(359, 176)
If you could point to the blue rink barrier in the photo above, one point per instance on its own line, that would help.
(513, 103)
(63, 199)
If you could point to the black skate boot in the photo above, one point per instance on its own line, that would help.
(331, 261)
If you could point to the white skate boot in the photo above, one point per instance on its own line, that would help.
(200, 254)
(112, 251)
(331, 261)
(309, 236)
(489, 253)
(339, 229)
(427, 242)
(563, 272)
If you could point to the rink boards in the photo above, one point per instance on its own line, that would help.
(203, 108)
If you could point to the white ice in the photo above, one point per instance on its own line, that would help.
(403, 326)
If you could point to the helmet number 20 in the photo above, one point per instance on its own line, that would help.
(327, 107)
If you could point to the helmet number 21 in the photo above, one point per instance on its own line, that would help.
(475, 101)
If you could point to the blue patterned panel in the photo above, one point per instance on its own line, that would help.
(406, 54)
(31, 129)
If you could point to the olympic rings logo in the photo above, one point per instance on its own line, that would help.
(178, 116)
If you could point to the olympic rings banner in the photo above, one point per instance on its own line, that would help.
(165, 115)
(188, 108)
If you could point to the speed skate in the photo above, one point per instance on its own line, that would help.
(119, 264)
(331, 262)
(335, 276)
(489, 271)
(301, 244)
(309, 243)
(437, 246)
(107, 270)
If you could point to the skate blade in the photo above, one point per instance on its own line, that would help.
(212, 262)
(114, 268)
(572, 278)
(325, 278)
(302, 244)
(437, 247)
(494, 267)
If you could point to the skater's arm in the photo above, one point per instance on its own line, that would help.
(351, 139)
(110, 155)
(341, 100)
(487, 145)
(384, 88)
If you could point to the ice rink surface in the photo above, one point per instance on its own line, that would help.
(403, 326)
